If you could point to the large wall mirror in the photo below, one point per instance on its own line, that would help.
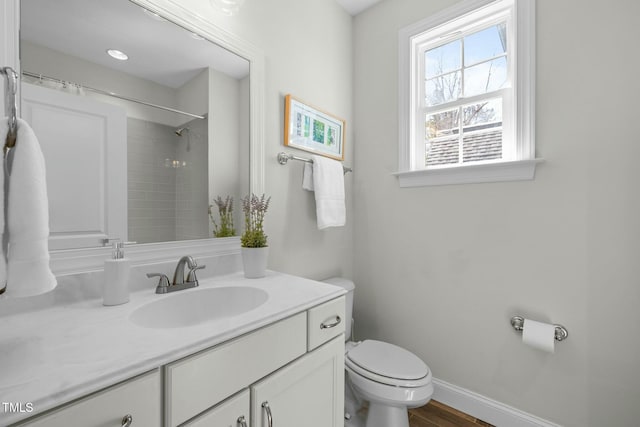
(137, 148)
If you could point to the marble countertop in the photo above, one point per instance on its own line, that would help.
(60, 353)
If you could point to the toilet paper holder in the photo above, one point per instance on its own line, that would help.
(518, 324)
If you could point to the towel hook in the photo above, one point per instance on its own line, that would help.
(10, 106)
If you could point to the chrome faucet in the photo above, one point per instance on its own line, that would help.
(178, 275)
(179, 282)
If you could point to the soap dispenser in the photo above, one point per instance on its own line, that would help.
(115, 290)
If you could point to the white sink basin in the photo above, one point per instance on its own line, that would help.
(195, 306)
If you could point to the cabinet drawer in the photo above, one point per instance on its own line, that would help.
(325, 322)
(139, 397)
(227, 413)
(202, 380)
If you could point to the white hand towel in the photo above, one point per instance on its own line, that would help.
(328, 184)
(28, 271)
(307, 177)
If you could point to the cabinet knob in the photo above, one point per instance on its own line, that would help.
(242, 422)
(267, 409)
(127, 420)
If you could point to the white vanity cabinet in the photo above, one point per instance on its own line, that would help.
(198, 382)
(139, 398)
(309, 392)
(294, 366)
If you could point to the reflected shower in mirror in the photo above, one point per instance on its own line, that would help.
(142, 122)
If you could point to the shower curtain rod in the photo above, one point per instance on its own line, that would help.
(115, 95)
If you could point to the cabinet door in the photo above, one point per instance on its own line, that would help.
(308, 392)
(139, 398)
(233, 412)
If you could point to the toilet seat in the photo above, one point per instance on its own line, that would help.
(387, 364)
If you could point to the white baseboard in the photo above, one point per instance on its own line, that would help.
(483, 408)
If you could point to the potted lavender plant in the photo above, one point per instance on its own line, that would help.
(255, 250)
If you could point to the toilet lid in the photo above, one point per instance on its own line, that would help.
(388, 360)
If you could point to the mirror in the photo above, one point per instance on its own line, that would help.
(136, 149)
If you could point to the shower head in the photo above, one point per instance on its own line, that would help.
(180, 131)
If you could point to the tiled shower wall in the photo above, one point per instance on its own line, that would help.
(151, 148)
(167, 181)
(192, 221)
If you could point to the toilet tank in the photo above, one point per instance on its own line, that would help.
(349, 286)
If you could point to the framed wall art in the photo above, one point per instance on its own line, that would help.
(310, 129)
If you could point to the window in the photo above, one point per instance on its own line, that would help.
(465, 86)
(466, 95)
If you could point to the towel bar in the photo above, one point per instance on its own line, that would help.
(283, 158)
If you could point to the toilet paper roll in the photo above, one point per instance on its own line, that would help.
(539, 335)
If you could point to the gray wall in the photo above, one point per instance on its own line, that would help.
(308, 52)
(440, 270)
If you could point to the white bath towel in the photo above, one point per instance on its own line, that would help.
(328, 184)
(28, 271)
(307, 177)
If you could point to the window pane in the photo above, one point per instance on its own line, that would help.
(485, 44)
(482, 114)
(482, 132)
(443, 151)
(443, 89)
(443, 59)
(442, 131)
(485, 77)
(443, 124)
(482, 145)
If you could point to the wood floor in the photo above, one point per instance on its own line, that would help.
(440, 415)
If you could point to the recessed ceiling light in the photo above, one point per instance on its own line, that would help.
(227, 7)
(154, 15)
(115, 53)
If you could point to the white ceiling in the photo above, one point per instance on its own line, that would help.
(354, 7)
(158, 50)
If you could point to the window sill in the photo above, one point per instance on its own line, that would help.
(519, 170)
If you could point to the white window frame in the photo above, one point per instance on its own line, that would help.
(519, 160)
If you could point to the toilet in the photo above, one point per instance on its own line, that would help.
(387, 377)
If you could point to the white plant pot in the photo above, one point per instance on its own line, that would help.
(255, 262)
